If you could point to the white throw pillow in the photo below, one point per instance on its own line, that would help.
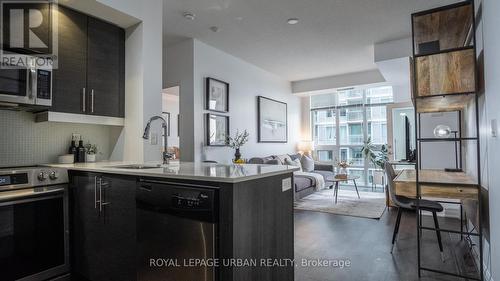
(295, 162)
(307, 163)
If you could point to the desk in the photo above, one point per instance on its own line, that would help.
(437, 184)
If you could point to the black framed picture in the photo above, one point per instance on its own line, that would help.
(217, 129)
(217, 95)
(272, 120)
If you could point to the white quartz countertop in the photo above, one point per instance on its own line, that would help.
(229, 173)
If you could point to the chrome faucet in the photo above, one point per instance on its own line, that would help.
(166, 156)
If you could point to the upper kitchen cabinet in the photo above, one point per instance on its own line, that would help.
(70, 79)
(105, 74)
(91, 72)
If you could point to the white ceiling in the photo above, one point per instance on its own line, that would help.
(333, 36)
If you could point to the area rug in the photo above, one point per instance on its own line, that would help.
(371, 205)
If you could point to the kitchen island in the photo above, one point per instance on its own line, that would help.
(182, 221)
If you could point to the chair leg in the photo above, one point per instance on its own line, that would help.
(336, 191)
(356, 186)
(438, 234)
(396, 228)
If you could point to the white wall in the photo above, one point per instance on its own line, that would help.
(246, 83)
(191, 62)
(143, 72)
(491, 22)
(180, 58)
(438, 155)
(171, 105)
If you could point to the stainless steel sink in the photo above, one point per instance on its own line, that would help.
(137, 166)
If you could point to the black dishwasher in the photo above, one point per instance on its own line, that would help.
(176, 231)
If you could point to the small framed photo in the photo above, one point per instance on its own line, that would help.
(217, 95)
(217, 129)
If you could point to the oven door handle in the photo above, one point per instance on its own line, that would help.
(17, 195)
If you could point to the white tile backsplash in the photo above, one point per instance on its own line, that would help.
(24, 142)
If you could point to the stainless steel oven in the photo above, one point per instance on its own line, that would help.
(25, 86)
(34, 229)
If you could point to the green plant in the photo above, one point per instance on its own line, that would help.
(377, 156)
(238, 140)
(92, 148)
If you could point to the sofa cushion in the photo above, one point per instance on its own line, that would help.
(307, 163)
(295, 163)
(326, 175)
(295, 156)
(302, 183)
(272, 162)
(282, 158)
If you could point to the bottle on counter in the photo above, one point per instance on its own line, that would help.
(81, 152)
(73, 149)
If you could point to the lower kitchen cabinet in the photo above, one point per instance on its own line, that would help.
(103, 227)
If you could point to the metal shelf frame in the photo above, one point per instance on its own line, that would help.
(458, 139)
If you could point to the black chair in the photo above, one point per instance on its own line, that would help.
(409, 204)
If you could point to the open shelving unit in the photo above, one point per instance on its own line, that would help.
(444, 79)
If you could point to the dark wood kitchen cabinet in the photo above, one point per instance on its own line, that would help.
(103, 227)
(70, 77)
(91, 66)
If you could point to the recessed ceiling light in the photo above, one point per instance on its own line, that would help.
(189, 16)
(293, 21)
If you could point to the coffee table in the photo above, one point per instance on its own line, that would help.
(338, 180)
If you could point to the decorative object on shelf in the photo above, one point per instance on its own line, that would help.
(217, 129)
(166, 116)
(305, 147)
(92, 151)
(343, 165)
(272, 120)
(217, 95)
(376, 156)
(236, 143)
(442, 131)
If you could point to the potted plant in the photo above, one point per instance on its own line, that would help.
(343, 165)
(92, 151)
(236, 143)
(374, 155)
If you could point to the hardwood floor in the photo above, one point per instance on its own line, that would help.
(366, 243)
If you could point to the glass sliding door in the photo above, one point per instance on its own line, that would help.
(342, 121)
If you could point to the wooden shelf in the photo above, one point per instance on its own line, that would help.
(440, 30)
(446, 73)
(444, 103)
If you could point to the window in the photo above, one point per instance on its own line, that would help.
(354, 116)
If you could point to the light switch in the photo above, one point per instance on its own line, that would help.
(286, 184)
(494, 128)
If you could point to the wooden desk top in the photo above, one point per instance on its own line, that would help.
(436, 177)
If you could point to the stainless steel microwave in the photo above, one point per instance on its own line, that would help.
(27, 86)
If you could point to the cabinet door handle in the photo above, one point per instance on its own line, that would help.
(95, 192)
(101, 203)
(84, 100)
(92, 101)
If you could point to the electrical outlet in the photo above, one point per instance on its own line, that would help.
(154, 138)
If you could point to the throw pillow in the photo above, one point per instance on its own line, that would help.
(295, 156)
(282, 158)
(307, 163)
(295, 162)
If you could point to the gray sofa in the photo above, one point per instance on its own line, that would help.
(303, 185)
